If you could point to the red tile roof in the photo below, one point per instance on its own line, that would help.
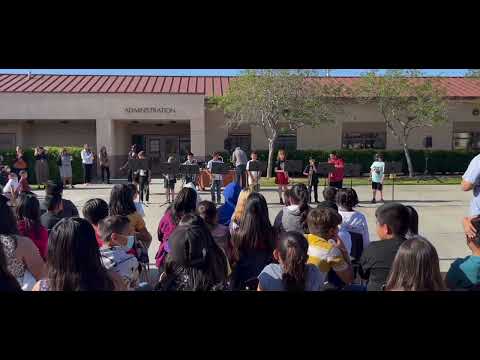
(193, 85)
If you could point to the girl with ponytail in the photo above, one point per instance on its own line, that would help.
(293, 217)
(292, 273)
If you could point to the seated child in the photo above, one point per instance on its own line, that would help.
(221, 234)
(292, 273)
(10, 189)
(326, 249)
(94, 211)
(465, 273)
(23, 186)
(117, 240)
(376, 261)
(352, 220)
(54, 206)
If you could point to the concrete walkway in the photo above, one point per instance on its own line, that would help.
(440, 207)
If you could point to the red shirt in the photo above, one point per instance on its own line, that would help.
(40, 240)
(338, 173)
(97, 235)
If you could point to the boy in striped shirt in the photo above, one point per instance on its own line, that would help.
(325, 248)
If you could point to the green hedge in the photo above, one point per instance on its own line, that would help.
(53, 154)
(441, 161)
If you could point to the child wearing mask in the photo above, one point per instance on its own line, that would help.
(118, 239)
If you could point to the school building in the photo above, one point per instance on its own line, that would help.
(168, 115)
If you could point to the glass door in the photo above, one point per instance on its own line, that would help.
(161, 147)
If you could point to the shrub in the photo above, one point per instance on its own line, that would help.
(440, 161)
(53, 153)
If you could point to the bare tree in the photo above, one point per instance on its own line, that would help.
(279, 99)
(406, 101)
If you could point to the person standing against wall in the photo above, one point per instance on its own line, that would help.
(19, 164)
(239, 159)
(87, 161)
(41, 166)
(65, 167)
(104, 164)
(336, 177)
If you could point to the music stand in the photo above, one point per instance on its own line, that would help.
(393, 168)
(293, 166)
(324, 169)
(426, 173)
(351, 171)
(188, 171)
(257, 165)
(220, 168)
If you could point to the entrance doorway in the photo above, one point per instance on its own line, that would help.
(161, 147)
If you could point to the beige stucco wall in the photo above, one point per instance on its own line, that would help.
(104, 108)
(216, 130)
(101, 119)
(53, 133)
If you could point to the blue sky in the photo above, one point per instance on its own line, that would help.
(202, 72)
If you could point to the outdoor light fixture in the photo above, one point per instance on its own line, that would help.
(158, 125)
(30, 122)
(134, 122)
(64, 122)
(173, 122)
(475, 112)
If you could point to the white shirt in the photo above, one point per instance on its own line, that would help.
(11, 184)
(253, 176)
(356, 222)
(87, 158)
(139, 208)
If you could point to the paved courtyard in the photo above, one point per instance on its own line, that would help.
(440, 208)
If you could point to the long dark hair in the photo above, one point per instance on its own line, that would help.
(413, 221)
(184, 203)
(347, 199)
(416, 267)
(208, 274)
(28, 210)
(8, 225)
(208, 212)
(73, 259)
(256, 231)
(121, 201)
(293, 250)
(299, 195)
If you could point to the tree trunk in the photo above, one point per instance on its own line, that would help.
(409, 160)
(271, 143)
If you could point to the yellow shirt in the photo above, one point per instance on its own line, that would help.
(136, 222)
(324, 254)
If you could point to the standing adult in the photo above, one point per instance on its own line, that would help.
(471, 181)
(104, 164)
(132, 154)
(41, 166)
(20, 163)
(239, 158)
(336, 177)
(65, 167)
(87, 161)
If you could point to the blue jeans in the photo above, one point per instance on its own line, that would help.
(355, 287)
(216, 188)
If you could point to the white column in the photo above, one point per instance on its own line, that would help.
(198, 136)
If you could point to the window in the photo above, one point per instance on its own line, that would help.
(364, 140)
(287, 140)
(238, 136)
(7, 141)
(466, 141)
